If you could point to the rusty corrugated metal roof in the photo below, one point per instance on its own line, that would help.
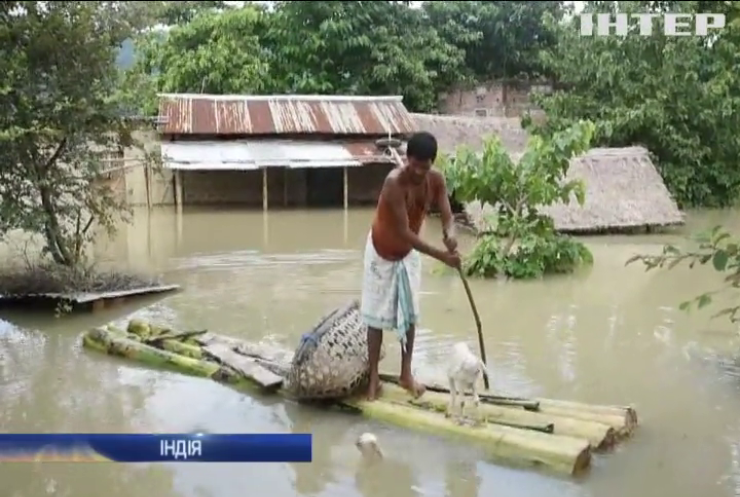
(283, 115)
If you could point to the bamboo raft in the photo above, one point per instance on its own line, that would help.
(555, 435)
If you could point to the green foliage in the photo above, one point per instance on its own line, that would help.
(519, 241)
(59, 117)
(173, 13)
(536, 254)
(499, 39)
(677, 96)
(343, 47)
(202, 56)
(717, 247)
(366, 48)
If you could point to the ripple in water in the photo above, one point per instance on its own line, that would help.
(246, 258)
(562, 341)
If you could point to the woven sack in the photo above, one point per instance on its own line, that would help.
(331, 360)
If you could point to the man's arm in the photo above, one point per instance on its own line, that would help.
(443, 204)
(393, 194)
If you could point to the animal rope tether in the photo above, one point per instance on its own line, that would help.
(331, 360)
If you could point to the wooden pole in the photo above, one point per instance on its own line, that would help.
(346, 188)
(178, 189)
(264, 188)
(476, 316)
(346, 226)
(149, 244)
(178, 205)
(148, 180)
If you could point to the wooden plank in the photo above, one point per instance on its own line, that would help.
(82, 298)
(274, 358)
(265, 352)
(261, 351)
(247, 366)
(89, 297)
(209, 338)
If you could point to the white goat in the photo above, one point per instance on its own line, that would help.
(368, 445)
(463, 373)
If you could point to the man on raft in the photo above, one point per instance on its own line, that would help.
(392, 265)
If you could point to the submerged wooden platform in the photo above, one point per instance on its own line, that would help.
(555, 435)
(83, 301)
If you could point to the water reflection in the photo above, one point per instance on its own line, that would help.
(461, 479)
(612, 334)
(392, 477)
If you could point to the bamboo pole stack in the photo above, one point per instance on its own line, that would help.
(555, 435)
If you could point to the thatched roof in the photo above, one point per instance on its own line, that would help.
(624, 191)
(453, 131)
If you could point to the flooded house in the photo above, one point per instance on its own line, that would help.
(278, 151)
(320, 151)
(624, 190)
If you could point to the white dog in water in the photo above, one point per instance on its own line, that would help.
(368, 445)
(463, 373)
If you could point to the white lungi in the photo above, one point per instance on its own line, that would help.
(390, 291)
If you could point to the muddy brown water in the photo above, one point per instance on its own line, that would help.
(611, 335)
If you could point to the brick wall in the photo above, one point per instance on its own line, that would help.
(493, 99)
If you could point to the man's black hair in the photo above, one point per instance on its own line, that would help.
(422, 146)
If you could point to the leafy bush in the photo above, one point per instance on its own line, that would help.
(519, 241)
(716, 246)
(678, 96)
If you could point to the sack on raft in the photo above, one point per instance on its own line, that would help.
(331, 360)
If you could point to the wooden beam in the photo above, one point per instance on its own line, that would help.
(346, 188)
(148, 181)
(264, 188)
(178, 190)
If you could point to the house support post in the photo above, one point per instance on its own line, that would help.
(346, 188)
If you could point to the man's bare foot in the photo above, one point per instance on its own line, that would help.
(410, 384)
(373, 390)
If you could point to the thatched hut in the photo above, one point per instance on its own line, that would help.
(624, 191)
(453, 131)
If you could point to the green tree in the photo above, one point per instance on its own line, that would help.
(717, 247)
(58, 117)
(520, 242)
(677, 96)
(176, 13)
(217, 52)
(500, 39)
(380, 48)
(343, 47)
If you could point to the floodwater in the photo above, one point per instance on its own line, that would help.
(610, 335)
